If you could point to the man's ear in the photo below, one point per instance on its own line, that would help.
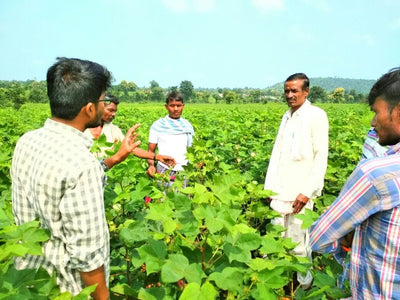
(89, 109)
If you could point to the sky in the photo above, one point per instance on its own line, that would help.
(212, 43)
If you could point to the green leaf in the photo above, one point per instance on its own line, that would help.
(201, 194)
(162, 212)
(229, 279)
(19, 277)
(194, 273)
(248, 241)
(224, 189)
(208, 292)
(193, 291)
(153, 294)
(181, 202)
(85, 293)
(237, 253)
(174, 268)
(271, 245)
(124, 289)
(15, 249)
(275, 278)
(259, 264)
(142, 189)
(308, 218)
(153, 255)
(133, 233)
(322, 279)
(44, 284)
(264, 292)
(189, 224)
(63, 296)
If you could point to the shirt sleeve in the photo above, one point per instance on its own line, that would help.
(320, 141)
(84, 224)
(153, 137)
(357, 201)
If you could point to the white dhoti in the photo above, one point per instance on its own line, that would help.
(295, 232)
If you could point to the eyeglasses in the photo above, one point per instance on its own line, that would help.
(106, 100)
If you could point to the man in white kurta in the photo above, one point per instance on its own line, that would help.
(298, 164)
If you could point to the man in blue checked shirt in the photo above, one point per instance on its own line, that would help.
(369, 204)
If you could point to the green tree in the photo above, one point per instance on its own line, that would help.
(157, 94)
(154, 84)
(140, 96)
(187, 90)
(16, 93)
(172, 88)
(4, 100)
(124, 90)
(255, 96)
(337, 95)
(37, 92)
(317, 94)
(230, 97)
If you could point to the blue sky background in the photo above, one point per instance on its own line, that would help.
(212, 43)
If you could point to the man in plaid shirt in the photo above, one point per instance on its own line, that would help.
(369, 204)
(57, 180)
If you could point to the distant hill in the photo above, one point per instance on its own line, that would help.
(331, 83)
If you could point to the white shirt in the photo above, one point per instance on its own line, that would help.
(299, 158)
(112, 133)
(173, 145)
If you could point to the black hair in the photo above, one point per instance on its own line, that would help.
(112, 98)
(387, 87)
(174, 95)
(72, 83)
(295, 76)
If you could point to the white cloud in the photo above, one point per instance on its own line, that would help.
(181, 6)
(268, 5)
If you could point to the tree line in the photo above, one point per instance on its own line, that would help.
(16, 93)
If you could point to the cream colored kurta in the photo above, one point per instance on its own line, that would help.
(299, 158)
(113, 135)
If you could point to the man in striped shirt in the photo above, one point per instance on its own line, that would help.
(369, 204)
(371, 147)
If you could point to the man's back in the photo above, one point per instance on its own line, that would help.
(57, 180)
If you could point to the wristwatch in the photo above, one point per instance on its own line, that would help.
(104, 166)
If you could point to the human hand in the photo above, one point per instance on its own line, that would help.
(347, 240)
(168, 160)
(151, 171)
(129, 143)
(299, 203)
